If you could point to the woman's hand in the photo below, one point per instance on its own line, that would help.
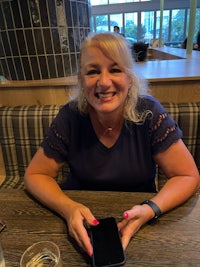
(132, 222)
(40, 183)
(78, 217)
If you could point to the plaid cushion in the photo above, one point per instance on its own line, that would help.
(187, 115)
(21, 131)
(8, 145)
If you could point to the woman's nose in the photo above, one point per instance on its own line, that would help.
(104, 80)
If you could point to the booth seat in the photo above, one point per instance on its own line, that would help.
(22, 129)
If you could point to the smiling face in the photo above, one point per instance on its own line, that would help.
(105, 84)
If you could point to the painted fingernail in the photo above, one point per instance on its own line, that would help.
(126, 215)
(89, 253)
(95, 222)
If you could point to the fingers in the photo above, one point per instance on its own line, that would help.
(125, 240)
(80, 217)
(133, 220)
(80, 234)
(89, 217)
(133, 213)
(83, 237)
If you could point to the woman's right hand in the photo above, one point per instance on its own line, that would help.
(40, 183)
(78, 217)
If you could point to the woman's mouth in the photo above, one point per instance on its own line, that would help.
(104, 95)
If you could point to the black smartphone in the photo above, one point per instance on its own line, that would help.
(106, 242)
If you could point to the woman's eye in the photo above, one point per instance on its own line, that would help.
(116, 70)
(92, 72)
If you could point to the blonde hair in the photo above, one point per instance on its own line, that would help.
(115, 47)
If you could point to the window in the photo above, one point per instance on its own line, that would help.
(106, 2)
(147, 26)
(131, 25)
(99, 2)
(116, 19)
(165, 25)
(177, 25)
(101, 23)
(141, 22)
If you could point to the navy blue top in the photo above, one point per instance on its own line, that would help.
(127, 166)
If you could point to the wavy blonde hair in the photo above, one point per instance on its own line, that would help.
(116, 48)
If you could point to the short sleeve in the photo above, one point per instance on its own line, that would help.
(55, 143)
(164, 131)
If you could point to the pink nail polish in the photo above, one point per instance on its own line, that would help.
(95, 222)
(89, 253)
(126, 215)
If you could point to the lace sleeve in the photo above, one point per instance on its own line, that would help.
(55, 143)
(165, 132)
(163, 129)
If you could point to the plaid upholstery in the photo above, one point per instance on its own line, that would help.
(187, 115)
(22, 129)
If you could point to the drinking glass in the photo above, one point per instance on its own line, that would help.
(2, 260)
(41, 254)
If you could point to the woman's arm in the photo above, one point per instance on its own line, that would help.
(39, 181)
(183, 181)
(183, 177)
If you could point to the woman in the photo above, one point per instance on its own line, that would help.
(112, 136)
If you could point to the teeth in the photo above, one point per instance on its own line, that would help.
(105, 95)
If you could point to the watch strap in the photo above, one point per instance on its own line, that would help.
(155, 208)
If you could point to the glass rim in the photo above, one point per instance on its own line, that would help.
(28, 249)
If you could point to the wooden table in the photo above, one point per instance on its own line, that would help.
(173, 241)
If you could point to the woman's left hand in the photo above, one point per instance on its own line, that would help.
(132, 222)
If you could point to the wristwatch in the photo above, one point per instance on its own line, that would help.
(155, 208)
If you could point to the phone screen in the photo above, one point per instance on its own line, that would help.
(106, 242)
